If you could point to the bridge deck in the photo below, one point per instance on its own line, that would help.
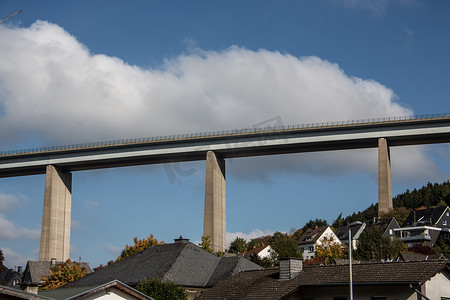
(228, 144)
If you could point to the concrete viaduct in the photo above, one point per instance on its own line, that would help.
(58, 163)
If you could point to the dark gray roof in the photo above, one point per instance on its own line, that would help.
(429, 216)
(311, 235)
(182, 263)
(265, 284)
(11, 293)
(342, 232)
(410, 256)
(7, 277)
(35, 270)
(76, 293)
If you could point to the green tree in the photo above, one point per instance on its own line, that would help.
(285, 245)
(239, 245)
(314, 223)
(373, 245)
(161, 290)
(399, 213)
(266, 262)
(62, 274)
(442, 247)
(259, 241)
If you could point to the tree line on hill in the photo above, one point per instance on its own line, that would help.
(372, 244)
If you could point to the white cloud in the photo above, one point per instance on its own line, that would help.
(8, 202)
(10, 231)
(231, 236)
(12, 258)
(96, 97)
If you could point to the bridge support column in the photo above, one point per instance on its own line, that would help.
(214, 224)
(384, 177)
(55, 231)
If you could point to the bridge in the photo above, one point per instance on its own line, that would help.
(59, 162)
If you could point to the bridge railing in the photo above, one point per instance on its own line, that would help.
(221, 133)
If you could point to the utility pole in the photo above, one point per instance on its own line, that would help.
(350, 246)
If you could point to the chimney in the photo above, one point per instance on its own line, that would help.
(290, 267)
(19, 270)
(181, 240)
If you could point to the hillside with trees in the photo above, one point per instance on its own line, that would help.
(437, 194)
(372, 245)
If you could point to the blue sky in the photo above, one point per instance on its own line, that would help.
(80, 71)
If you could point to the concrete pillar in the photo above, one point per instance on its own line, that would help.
(55, 231)
(214, 224)
(384, 177)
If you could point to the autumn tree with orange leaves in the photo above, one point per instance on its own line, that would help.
(62, 274)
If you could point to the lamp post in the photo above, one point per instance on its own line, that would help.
(350, 246)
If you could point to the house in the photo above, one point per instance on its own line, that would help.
(356, 229)
(262, 252)
(411, 256)
(35, 270)
(425, 226)
(314, 237)
(389, 281)
(114, 290)
(9, 277)
(181, 262)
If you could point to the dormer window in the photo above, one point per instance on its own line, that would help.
(308, 238)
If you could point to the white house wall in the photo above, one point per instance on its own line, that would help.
(111, 294)
(438, 286)
(328, 234)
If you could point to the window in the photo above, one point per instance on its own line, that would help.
(308, 238)
(311, 249)
(444, 222)
(390, 231)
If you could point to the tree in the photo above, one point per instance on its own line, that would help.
(442, 247)
(373, 245)
(266, 262)
(139, 245)
(161, 290)
(285, 245)
(260, 241)
(328, 251)
(2, 258)
(314, 223)
(399, 213)
(62, 274)
(239, 245)
(422, 249)
(206, 243)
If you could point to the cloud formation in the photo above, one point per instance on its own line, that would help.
(8, 202)
(13, 232)
(53, 89)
